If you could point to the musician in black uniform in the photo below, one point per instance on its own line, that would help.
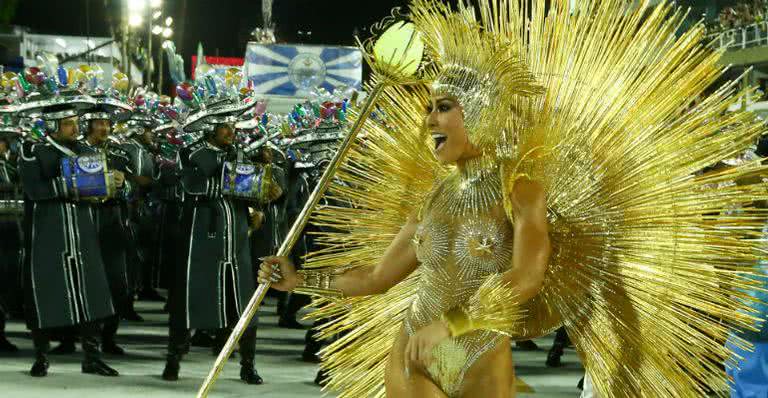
(111, 219)
(65, 281)
(268, 239)
(10, 244)
(316, 147)
(302, 178)
(168, 194)
(310, 152)
(216, 280)
(141, 146)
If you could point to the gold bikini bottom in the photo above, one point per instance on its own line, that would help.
(453, 357)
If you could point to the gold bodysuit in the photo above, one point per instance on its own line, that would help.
(463, 238)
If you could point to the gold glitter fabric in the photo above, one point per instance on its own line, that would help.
(649, 257)
(463, 239)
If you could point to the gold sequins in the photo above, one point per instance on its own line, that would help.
(482, 246)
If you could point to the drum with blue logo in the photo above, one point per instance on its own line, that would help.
(87, 177)
(246, 181)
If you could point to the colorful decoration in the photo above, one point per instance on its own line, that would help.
(233, 77)
(8, 81)
(75, 76)
(120, 82)
(34, 75)
(38, 129)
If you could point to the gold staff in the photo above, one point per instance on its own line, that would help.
(396, 64)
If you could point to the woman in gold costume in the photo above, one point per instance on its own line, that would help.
(557, 188)
(461, 239)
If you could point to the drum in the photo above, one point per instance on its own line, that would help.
(246, 181)
(87, 177)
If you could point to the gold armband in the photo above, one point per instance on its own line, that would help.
(317, 283)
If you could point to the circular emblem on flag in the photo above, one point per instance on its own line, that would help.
(306, 71)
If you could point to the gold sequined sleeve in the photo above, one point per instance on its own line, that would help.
(493, 307)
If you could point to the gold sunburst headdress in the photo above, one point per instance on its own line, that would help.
(478, 68)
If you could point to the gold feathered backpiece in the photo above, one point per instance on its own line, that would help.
(611, 117)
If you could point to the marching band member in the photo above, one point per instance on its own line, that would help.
(10, 244)
(111, 217)
(216, 280)
(168, 195)
(66, 284)
(141, 146)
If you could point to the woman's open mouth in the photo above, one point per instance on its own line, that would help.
(440, 140)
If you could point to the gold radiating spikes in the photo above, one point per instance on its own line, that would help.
(648, 258)
(388, 178)
(462, 196)
(479, 246)
(494, 307)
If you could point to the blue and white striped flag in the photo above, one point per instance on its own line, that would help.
(294, 70)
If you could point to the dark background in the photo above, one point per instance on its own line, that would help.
(223, 26)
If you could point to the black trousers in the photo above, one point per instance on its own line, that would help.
(3, 315)
(89, 337)
(311, 343)
(109, 330)
(561, 338)
(290, 303)
(178, 343)
(179, 337)
(148, 241)
(170, 236)
(11, 294)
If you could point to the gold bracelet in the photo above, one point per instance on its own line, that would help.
(317, 283)
(458, 321)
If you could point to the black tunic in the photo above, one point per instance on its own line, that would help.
(141, 159)
(65, 279)
(10, 237)
(167, 191)
(216, 274)
(143, 218)
(111, 223)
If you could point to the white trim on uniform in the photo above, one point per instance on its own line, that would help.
(189, 259)
(32, 267)
(68, 249)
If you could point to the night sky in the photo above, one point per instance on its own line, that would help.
(223, 26)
